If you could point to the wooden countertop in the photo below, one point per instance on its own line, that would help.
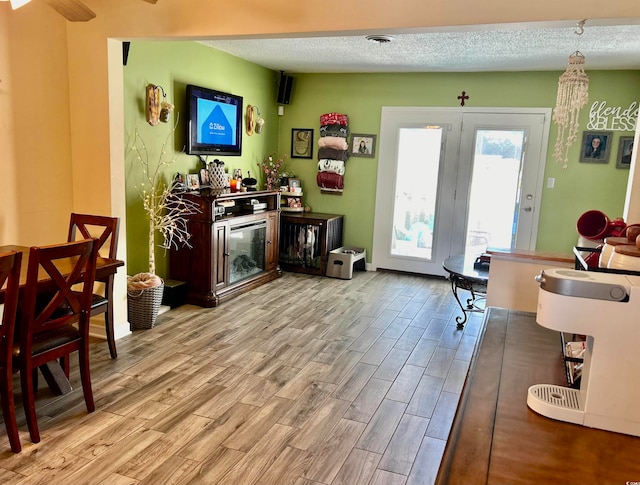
(497, 439)
(524, 254)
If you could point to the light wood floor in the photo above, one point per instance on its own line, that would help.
(306, 380)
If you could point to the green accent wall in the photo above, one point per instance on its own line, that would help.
(579, 188)
(172, 65)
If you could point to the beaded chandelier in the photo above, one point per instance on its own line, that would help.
(573, 94)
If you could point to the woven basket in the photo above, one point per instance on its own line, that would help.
(143, 307)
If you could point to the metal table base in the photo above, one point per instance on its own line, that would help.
(464, 276)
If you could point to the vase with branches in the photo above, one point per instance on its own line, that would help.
(272, 166)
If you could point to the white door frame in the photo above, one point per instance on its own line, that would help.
(387, 176)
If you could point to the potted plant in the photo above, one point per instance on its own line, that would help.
(166, 212)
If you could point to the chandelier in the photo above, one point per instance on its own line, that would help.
(573, 94)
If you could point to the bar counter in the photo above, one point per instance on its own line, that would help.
(496, 439)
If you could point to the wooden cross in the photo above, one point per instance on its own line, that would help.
(462, 98)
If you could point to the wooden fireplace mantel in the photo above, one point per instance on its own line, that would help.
(206, 266)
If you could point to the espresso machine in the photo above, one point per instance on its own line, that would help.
(606, 308)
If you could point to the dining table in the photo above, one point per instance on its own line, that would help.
(105, 267)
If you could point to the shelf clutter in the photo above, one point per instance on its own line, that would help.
(291, 201)
(333, 152)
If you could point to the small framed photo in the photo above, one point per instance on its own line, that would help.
(205, 179)
(294, 184)
(301, 143)
(193, 181)
(625, 150)
(363, 145)
(596, 146)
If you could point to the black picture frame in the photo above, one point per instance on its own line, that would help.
(363, 145)
(625, 148)
(596, 152)
(301, 143)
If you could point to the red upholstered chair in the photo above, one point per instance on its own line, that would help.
(83, 226)
(9, 274)
(54, 318)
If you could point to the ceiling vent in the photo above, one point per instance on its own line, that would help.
(379, 39)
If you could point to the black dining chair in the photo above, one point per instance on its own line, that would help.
(9, 275)
(54, 319)
(84, 226)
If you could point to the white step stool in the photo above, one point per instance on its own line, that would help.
(342, 260)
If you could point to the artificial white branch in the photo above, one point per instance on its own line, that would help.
(165, 209)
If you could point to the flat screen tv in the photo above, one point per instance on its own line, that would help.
(215, 122)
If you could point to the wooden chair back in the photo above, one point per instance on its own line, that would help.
(55, 318)
(9, 281)
(105, 229)
(10, 275)
(54, 304)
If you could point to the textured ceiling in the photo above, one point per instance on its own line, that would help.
(611, 44)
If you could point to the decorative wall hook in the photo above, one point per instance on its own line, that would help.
(156, 110)
(259, 120)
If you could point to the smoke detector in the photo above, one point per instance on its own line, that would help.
(380, 39)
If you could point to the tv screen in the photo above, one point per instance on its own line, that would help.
(215, 122)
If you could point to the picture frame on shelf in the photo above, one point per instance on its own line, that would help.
(363, 145)
(301, 143)
(294, 184)
(596, 146)
(625, 150)
(205, 178)
(193, 181)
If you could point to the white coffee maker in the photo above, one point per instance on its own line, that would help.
(606, 308)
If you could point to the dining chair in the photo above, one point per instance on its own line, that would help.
(9, 274)
(54, 319)
(82, 226)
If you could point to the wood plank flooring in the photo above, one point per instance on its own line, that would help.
(303, 381)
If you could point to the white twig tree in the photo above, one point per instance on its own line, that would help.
(166, 210)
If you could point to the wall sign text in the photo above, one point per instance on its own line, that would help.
(615, 118)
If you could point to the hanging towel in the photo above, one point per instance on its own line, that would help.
(334, 119)
(334, 130)
(333, 142)
(332, 154)
(329, 180)
(328, 165)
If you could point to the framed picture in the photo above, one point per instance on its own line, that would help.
(293, 184)
(205, 180)
(625, 150)
(596, 146)
(363, 145)
(193, 181)
(301, 143)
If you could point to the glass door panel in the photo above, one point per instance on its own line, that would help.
(415, 191)
(494, 196)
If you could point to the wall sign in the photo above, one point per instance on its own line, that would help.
(614, 118)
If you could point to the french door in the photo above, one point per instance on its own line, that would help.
(452, 182)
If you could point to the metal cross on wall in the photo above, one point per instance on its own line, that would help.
(462, 98)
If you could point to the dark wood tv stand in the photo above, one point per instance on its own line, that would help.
(218, 267)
